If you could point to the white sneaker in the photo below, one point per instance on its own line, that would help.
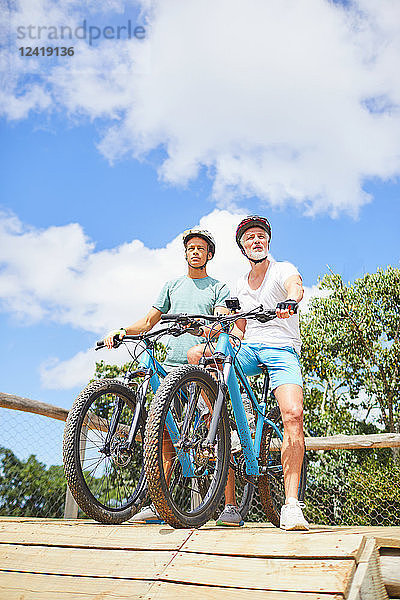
(147, 515)
(292, 518)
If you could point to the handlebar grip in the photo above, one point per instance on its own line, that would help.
(116, 342)
(173, 317)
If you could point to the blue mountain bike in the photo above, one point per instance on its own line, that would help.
(104, 433)
(187, 488)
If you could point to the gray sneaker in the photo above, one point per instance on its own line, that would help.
(230, 517)
(147, 515)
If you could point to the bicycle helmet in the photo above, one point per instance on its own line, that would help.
(248, 223)
(201, 233)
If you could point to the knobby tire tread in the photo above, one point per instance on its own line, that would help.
(152, 454)
(75, 479)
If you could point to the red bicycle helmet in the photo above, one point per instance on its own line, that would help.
(248, 223)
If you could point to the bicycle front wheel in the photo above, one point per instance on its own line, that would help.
(271, 484)
(104, 474)
(185, 479)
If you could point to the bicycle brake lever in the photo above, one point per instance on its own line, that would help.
(175, 331)
(264, 318)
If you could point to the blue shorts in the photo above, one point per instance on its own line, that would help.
(283, 363)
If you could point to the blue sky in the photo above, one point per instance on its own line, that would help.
(105, 159)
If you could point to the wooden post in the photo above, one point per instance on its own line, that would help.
(71, 508)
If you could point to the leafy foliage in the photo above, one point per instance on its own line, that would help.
(350, 361)
(351, 348)
(107, 371)
(27, 488)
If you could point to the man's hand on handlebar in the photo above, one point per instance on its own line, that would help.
(116, 334)
(286, 309)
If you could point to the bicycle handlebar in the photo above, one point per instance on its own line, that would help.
(184, 319)
(132, 338)
(256, 313)
(144, 336)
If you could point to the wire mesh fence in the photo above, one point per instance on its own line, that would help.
(349, 487)
(344, 487)
(32, 479)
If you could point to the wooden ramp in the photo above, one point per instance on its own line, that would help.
(49, 559)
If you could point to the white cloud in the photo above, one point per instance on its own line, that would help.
(288, 101)
(56, 274)
(77, 370)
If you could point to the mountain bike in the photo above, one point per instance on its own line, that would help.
(204, 438)
(104, 433)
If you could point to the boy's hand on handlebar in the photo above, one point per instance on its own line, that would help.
(118, 334)
(195, 328)
(286, 309)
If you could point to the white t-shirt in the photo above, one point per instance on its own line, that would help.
(278, 332)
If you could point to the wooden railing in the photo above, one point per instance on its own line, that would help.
(333, 442)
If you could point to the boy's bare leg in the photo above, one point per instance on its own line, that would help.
(168, 455)
(194, 355)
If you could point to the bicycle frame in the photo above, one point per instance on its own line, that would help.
(152, 369)
(230, 374)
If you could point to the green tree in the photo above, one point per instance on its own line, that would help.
(27, 488)
(107, 371)
(351, 346)
(350, 360)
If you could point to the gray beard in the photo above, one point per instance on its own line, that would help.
(258, 254)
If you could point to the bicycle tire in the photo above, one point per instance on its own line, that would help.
(271, 484)
(172, 491)
(109, 489)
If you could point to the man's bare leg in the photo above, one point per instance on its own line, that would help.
(290, 399)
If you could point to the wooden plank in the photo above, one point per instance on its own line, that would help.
(31, 586)
(128, 564)
(170, 591)
(89, 534)
(275, 543)
(381, 534)
(367, 583)
(390, 568)
(329, 576)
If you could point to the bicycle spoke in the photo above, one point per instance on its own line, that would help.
(192, 475)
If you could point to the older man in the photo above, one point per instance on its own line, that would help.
(276, 344)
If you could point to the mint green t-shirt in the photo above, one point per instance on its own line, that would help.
(191, 296)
